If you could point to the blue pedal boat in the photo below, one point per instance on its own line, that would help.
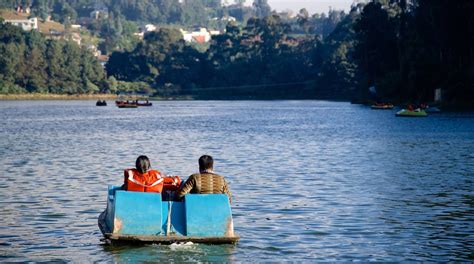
(147, 218)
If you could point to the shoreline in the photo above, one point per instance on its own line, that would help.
(36, 96)
(448, 107)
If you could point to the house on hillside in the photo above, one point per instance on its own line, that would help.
(51, 29)
(25, 24)
(144, 29)
(20, 20)
(149, 28)
(201, 36)
(225, 18)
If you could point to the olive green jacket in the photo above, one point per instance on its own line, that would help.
(205, 183)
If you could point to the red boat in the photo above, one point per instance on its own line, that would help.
(126, 104)
(146, 103)
(131, 104)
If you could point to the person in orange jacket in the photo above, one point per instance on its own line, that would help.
(143, 178)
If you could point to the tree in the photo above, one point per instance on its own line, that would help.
(303, 20)
(376, 49)
(261, 8)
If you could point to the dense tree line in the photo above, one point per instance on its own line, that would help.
(31, 63)
(121, 18)
(185, 12)
(407, 49)
(260, 60)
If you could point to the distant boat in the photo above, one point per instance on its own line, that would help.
(132, 103)
(411, 113)
(101, 103)
(126, 104)
(146, 103)
(382, 106)
(145, 217)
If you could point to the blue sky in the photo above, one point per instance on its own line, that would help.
(312, 6)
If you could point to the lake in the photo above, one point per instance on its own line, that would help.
(311, 180)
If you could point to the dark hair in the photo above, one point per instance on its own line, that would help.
(142, 164)
(205, 162)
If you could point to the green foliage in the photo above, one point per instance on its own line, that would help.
(146, 62)
(409, 50)
(134, 87)
(258, 55)
(31, 63)
(190, 12)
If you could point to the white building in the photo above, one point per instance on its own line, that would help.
(26, 24)
(201, 36)
(149, 28)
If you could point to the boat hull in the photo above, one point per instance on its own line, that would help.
(127, 105)
(145, 104)
(408, 113)
(136, 217)
(132, 104)
(382, 107)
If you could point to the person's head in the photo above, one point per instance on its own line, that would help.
(142, 164)
(206, 163)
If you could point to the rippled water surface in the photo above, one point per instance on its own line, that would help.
(311, 180)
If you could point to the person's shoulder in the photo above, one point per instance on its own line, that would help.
(195, 176)
(218, 175)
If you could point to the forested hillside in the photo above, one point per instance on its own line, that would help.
(407, 49)
(186, 12)
(31, 63)
(404, 49)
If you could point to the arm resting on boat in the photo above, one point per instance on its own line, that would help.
(187, 187)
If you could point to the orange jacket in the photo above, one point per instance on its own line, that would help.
(171, 183)
(150, 181)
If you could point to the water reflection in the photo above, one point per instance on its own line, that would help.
(317, 181)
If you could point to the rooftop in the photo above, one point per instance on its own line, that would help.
(50, 26)
(12, 15)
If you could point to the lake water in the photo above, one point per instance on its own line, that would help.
(311, 180)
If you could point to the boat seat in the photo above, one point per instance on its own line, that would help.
(208, 215)
(137, 213)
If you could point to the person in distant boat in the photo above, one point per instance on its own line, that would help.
(142, 178)
(206, 181)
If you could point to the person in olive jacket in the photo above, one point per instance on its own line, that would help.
(206, 181)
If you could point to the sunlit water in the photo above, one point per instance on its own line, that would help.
(311, 180)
